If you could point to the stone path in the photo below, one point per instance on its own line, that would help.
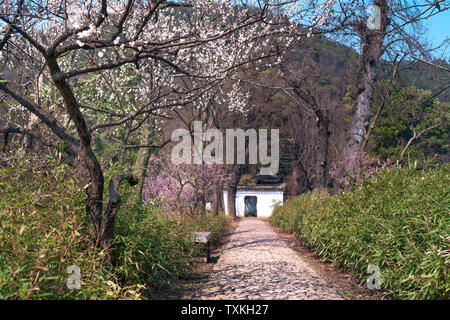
(257, 264)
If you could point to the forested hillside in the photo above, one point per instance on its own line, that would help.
(323, 71)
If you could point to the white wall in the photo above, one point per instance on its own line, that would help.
(225, 202)
(264, 203)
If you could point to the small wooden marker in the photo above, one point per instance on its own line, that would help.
(204, 237)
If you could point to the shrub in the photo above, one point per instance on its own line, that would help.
(397, 220)
(248, 179)
(216, 224)
(151, 248)
(42, 232)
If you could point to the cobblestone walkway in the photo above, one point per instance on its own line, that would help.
(257, 264)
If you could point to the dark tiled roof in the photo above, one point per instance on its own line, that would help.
(264, 187)
(266, 179)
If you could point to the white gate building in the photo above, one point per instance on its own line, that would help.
(259, 200)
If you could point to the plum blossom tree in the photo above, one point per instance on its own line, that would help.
(85, 54)
(182, 188)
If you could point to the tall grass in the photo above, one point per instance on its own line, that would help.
(43, 231)
(151, 248)
(154, 248)
(216, 224)
(398, 220)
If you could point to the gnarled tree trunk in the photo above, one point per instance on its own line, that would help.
(90, 170)
(112, 207)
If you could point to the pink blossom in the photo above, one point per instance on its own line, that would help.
(178, 187)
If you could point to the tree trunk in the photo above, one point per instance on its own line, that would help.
(321, 149)
(232, 201)
(217, 200)
(383, 103)
(232, 188)
(371, 50)
(33, 124)
(122, 149)
(141, 164)
(94, 184)
(91, 171)
(112, 207)
(32, 131)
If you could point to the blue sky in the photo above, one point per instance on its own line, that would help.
(439, 29)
